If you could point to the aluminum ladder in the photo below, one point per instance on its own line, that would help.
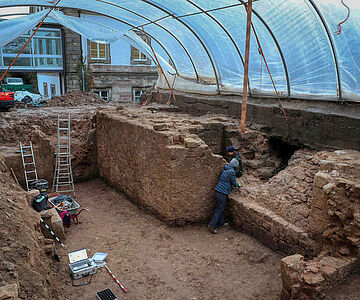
(63, 182)
(29, 165)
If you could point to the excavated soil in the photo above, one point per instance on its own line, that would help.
(154, 261)
(76, 98)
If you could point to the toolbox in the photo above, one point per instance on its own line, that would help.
(80, 265)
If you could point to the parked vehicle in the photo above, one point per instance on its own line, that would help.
(16, 84)
(7, 100)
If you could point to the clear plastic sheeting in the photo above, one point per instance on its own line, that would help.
(89, 29)
(11, 29)
(205, 41)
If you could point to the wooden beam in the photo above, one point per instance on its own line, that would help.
(246, 66)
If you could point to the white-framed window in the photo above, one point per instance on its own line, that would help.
(137, 92)
(103, 94)
(43, 52)
(97, 51)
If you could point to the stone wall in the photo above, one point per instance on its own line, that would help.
(169, 172)
(318, 124)
(335, 210)
(39, 126)
(73, 54)
(120, 80)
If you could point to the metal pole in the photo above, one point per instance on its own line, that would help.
(246, 67)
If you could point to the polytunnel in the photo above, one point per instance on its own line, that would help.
(205, 43)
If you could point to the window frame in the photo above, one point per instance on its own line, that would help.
(33, 56)
(107, 59)
(140, 61)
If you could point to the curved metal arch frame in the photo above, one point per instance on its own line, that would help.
(116, 19)
(212, 60)
(226, 32)
(278, 47)
(162, 27)
(332, 45)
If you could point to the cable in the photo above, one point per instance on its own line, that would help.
(22, 49)
(347, 17)
(82, 284)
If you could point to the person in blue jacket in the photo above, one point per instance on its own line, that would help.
(222, 190)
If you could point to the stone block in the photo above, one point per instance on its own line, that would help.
(313, 279)
(9, 292)
(321, 179)
(292, 268)
(52, 218)
(192, 143)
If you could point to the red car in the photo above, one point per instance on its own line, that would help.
(6, 100)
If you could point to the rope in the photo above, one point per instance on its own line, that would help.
(22, 49)
(162, 71)
(347, 17)
(267, 67)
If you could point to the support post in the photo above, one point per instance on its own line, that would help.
(246, 66)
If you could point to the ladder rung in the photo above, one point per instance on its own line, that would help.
(63, 128)
(28, 180)
(25, 147)
(34, 171)
(65, 191)
(27, 155)
(30, 163)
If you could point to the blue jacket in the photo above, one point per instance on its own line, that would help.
(227, 180)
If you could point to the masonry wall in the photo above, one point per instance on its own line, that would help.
(317, 124)
(120, 80)
(72, 47)
(172, 176)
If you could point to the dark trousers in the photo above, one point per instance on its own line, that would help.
(218, 217)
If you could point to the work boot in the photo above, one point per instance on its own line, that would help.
(224, 225)
(212, 230)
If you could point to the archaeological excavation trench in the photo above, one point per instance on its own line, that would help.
(147, 176)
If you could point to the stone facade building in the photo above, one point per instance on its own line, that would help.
(118, 72)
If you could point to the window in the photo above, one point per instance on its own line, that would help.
(103, 94)
(98, 53)
(53, 90)
(45, 86)
(138, 57)
(43, 52)
(137, 92)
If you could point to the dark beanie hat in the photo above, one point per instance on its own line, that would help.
(230, 149)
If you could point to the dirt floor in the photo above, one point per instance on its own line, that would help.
(154, 261)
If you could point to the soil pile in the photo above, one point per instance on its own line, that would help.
(25, 270)
(77, 98)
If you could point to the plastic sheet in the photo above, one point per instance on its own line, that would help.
(207, 48)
